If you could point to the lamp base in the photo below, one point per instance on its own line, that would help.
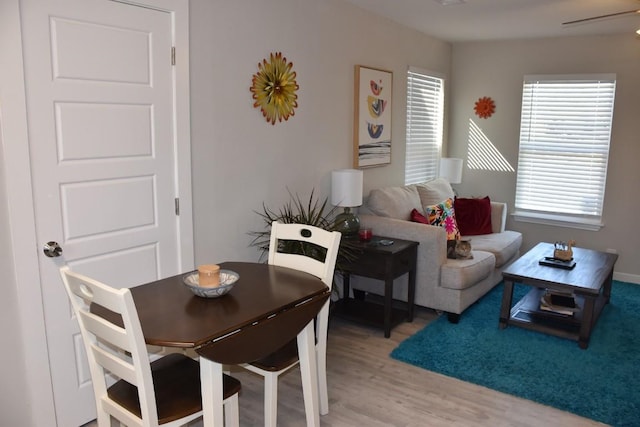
(347, 223)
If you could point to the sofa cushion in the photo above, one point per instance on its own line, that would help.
(473, 215)
(394, 202)
(503, 246)
(464, 273)
(444, 215)
(434, 192)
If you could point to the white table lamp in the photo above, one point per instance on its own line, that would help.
(451, 170)
(346, 192)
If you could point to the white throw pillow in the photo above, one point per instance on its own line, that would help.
(394, 202)
(434, 192)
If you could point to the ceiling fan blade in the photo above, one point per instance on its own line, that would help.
(593, 18)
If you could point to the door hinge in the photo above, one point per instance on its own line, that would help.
(177, 204)
(173, 55)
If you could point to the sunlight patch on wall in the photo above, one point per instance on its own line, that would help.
(482, 154)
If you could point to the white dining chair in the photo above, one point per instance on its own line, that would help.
(315, 243)
(164, 392)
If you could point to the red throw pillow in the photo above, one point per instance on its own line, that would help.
(473, 216)
(416, 216)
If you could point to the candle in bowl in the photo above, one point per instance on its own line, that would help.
(209, 275)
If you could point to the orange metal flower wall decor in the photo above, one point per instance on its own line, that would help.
(274, 88)
(485, 107)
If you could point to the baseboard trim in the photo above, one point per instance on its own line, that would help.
(624, 277)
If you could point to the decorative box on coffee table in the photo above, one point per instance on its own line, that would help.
(379, 260)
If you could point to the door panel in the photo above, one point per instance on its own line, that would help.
(85, 50)
(104, 214)
(117, 130)
(101, 112)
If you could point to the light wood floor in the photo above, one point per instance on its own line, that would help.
(368, 388)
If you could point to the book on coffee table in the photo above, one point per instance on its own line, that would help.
(558, 303)
(558, 263)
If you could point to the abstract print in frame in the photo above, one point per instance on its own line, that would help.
(372, 117)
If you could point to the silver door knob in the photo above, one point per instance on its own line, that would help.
(52, 249)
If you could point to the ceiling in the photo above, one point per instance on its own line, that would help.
(473, 20)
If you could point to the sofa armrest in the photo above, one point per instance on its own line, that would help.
(498, 216)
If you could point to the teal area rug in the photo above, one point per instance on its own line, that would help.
(599, 383)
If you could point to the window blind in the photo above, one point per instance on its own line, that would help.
(564, 145)
(425, 115)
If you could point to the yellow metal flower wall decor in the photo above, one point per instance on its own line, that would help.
(274, 88)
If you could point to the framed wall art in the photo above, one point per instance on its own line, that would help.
(372, 117)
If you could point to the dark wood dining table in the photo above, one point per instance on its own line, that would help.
(267, 307)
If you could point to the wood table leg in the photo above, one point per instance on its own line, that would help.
(309, 372)
(411, 297)
(587, 321)
(212, 393)
(388, 301)
(606, 288)
(346, 286)
(505, 309)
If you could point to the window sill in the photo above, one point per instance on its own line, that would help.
(558, 220)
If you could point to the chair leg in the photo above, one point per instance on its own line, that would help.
(309, 374)
(103, 418)
(321, 357)
(322, 380)
(271, 400)
(231, 412)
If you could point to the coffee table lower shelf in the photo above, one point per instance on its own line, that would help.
(527, 314)
(368, 313)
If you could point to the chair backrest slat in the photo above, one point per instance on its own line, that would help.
(306, 234)
(115, 364)
(107, 331)
(303, 263)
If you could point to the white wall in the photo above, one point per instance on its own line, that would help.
(240, 160)
(496, 69)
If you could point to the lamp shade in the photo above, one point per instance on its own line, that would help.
(451, 169)
(346, 187)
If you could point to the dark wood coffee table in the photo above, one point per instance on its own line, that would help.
(589, 281)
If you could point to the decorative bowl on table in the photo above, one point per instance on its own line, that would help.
(228, 280)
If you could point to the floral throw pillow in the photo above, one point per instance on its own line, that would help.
(444, 215)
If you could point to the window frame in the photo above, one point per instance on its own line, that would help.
(545, 140)
(432, 139)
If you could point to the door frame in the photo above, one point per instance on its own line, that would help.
(22, 239)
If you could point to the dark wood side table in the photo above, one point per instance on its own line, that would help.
(383, 262)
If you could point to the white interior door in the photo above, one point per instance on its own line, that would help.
(101, 116)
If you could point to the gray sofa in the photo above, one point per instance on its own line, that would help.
(447, 285)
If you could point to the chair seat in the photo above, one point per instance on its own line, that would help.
(176, 381)
(280, 359)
